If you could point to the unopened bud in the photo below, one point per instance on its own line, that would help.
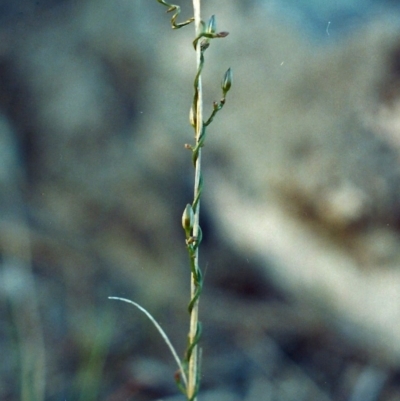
(188, 219)
(211, 25)
(223, 34)
(204, 45)
(227, 81)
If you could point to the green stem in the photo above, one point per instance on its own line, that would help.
(193, 368)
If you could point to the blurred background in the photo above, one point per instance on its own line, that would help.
(300, 214)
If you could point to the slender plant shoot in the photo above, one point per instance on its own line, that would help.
(188, 375)
(204, 33)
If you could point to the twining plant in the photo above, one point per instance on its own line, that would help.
(188, 376)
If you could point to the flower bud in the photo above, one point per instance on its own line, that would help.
(211, 25)
(222, 34)
(188, 219)
(227, 81)
(204, 45)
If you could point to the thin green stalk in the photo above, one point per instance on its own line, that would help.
(188, 376)
(193, 376)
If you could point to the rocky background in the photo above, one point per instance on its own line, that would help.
(301, 209)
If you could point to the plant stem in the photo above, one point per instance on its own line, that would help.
(194, 314)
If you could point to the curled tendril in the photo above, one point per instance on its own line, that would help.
(209, 35)
(194, 343)
(188, 354)
(198, 194)
(177, 9)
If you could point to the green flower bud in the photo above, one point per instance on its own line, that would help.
(204, 45)
(188, 219)
(211, 25)
(227, 81)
